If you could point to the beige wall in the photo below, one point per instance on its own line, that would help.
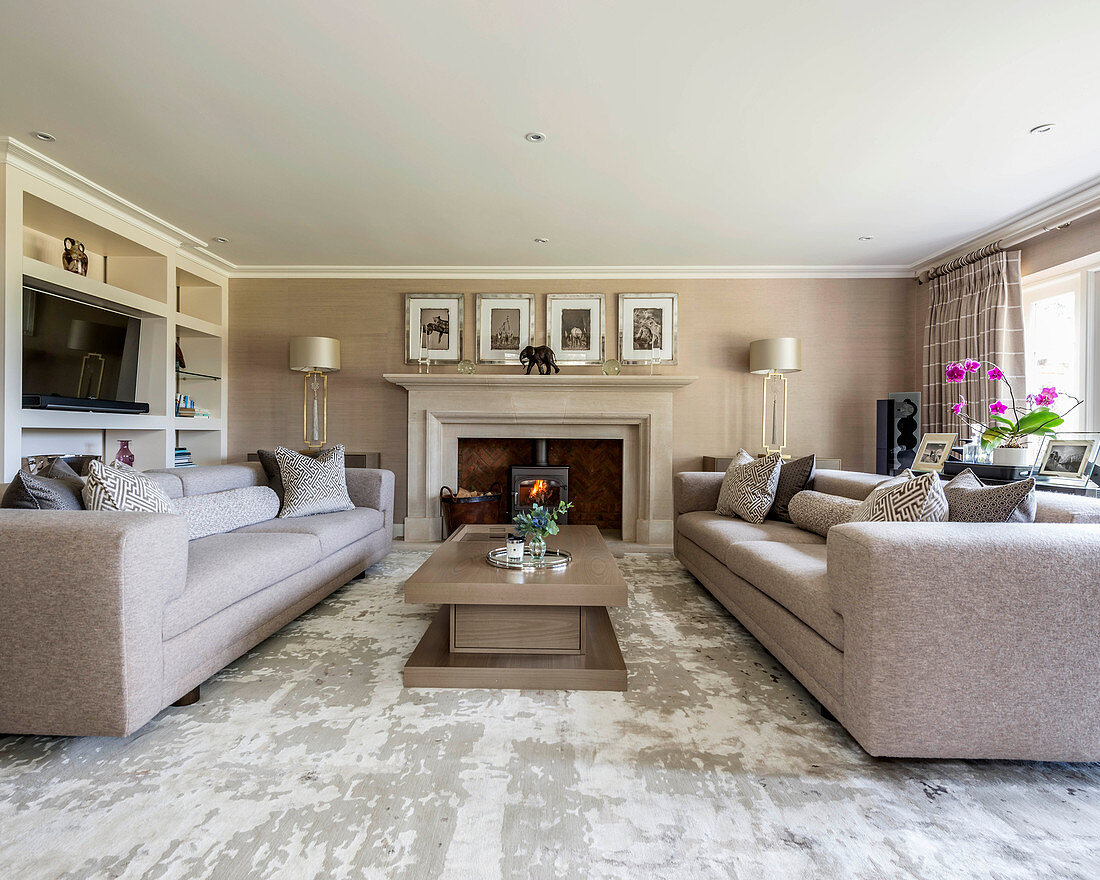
(857, 347)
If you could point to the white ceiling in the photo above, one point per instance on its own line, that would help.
(682, 133)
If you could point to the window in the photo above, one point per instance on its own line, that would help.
(1060, 326)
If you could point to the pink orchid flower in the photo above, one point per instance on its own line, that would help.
(998, 408)
(972, 366)
(958, 407)
(995, 373)
(954, 373)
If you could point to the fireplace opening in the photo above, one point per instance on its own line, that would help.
(591, 475)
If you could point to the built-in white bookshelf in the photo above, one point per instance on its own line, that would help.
(137, 264)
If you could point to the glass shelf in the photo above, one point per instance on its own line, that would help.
(191, 374)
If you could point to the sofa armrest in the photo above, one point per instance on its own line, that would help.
(696, 490)
(82, 599)
(970, 640)
(372, 487)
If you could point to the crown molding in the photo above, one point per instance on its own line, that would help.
(580, 273)
(19, 155)
(1045, 217)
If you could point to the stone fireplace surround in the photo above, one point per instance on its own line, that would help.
(634, 409)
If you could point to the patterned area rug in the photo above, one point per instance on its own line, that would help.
(307, 759)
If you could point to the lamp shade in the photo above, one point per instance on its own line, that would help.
(782, 355)
(320, 353)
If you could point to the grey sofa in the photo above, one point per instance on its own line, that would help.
(107, 618)
(937, 640)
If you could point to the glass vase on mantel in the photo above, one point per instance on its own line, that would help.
(124, 455)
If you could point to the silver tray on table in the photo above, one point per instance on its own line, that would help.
(552, 560)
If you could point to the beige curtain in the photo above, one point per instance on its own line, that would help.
(976, 313)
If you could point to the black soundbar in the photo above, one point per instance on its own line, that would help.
(82, 404)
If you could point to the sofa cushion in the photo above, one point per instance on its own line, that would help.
(334, 530)
(271, 468)
(817, 512)
(223, 569)
(216, 477)
(726, 492)
(794, 476)
(119, 487)
(918, 500)
(313, 485)
(58, 488)
(848, 484)
(1058, 507)
(970, 500)
(219, 512)
(716, 533)
(795, 576)
(754, 486)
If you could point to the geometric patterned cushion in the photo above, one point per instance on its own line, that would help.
(818, 512)
(725, 494)
(865, 507)
(53, 490)
(118, 487)
(970, 500)
(794, 476)
(917, 500)
(313, 485)
(754, 486)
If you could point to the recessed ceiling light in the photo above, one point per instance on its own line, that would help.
(1042, 129)
(535, 137)
(43, 136)
(866, 238)
(542, 241)
(221, 239)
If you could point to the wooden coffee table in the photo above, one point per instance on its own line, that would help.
(500, 628)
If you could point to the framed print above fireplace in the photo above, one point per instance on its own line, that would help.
(505, 326)
(433, 327)
(574, 327)
(647, 327)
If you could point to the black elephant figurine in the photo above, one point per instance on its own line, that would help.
(541, 356)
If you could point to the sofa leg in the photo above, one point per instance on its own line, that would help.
(823, 712)
(188, 699)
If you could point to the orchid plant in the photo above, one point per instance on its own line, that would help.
(1009, 424)
(539, 521)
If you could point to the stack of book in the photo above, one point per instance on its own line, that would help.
(183, 457)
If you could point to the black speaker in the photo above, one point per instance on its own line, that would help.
(897, 432)
(884, 439)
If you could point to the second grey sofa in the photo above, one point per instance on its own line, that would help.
(110, 617)
(944, 640)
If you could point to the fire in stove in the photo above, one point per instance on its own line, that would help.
(540, 491)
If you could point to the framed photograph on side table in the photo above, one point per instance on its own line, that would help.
(1068, 459)
(574, 327)
(505, 326)
(433, 327)
(647, 327)
(933, 452)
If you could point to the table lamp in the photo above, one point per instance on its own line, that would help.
(316, 356)
(772, 358)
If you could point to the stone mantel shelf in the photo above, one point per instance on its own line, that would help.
(557, 382)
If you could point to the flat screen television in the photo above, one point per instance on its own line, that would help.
(78, 356)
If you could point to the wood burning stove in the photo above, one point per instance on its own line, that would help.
(538, 483)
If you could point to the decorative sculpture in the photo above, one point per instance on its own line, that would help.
(75, 259)
(540, 356)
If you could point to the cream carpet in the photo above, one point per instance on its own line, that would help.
(307, 759)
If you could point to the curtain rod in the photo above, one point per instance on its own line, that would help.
(1000, 244)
